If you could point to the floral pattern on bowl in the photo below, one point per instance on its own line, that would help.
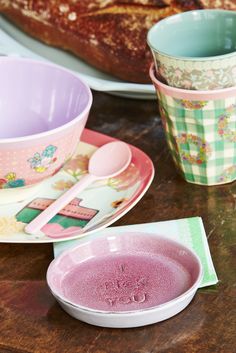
(40, 162)
(30, 165)
(98, 206)
(10, 180)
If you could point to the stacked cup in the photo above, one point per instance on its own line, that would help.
(194, 73)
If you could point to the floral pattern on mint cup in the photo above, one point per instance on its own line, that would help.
(196, 50)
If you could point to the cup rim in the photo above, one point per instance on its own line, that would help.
(187, 58)
(182, 93)
(59, 128)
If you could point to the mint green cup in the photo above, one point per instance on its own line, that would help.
(196, 50)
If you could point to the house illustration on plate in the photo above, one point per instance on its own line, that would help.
(72, 215)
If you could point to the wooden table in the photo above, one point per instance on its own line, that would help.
(32, 321)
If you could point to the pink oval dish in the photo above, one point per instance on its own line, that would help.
(132, 279)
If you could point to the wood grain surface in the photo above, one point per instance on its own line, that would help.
(32, 321)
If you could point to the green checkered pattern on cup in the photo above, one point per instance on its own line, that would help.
(202, 138)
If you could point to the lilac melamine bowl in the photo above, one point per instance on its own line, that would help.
(43, 110)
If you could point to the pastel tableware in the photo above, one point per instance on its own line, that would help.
(108, 161)
(200, 128)
(43, 110)
(127, 280)
(16, 42)
(196, 50)
(97, 207)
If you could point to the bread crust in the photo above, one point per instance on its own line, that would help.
(107, 34)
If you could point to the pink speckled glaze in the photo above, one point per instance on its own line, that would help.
(128, 272)
(125, 282)
(43, 109)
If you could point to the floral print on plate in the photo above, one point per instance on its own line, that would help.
(100, 205)
(78, 166)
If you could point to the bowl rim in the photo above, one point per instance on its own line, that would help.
(186, 294)
(59, 128)
(181, 93)
(187, 58)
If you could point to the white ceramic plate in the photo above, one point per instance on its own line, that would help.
(13, 41)
(95, 208)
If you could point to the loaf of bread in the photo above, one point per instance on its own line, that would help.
(107, 34)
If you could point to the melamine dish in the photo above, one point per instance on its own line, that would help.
(44, 109)
(196, 49)
(200, 128)
(128, 280)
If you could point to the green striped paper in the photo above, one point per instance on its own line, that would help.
(188, 231)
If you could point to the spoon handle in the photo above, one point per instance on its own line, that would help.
(42, 219)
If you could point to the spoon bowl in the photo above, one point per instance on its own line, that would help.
(108, 161)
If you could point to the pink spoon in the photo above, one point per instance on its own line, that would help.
(108, 161)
